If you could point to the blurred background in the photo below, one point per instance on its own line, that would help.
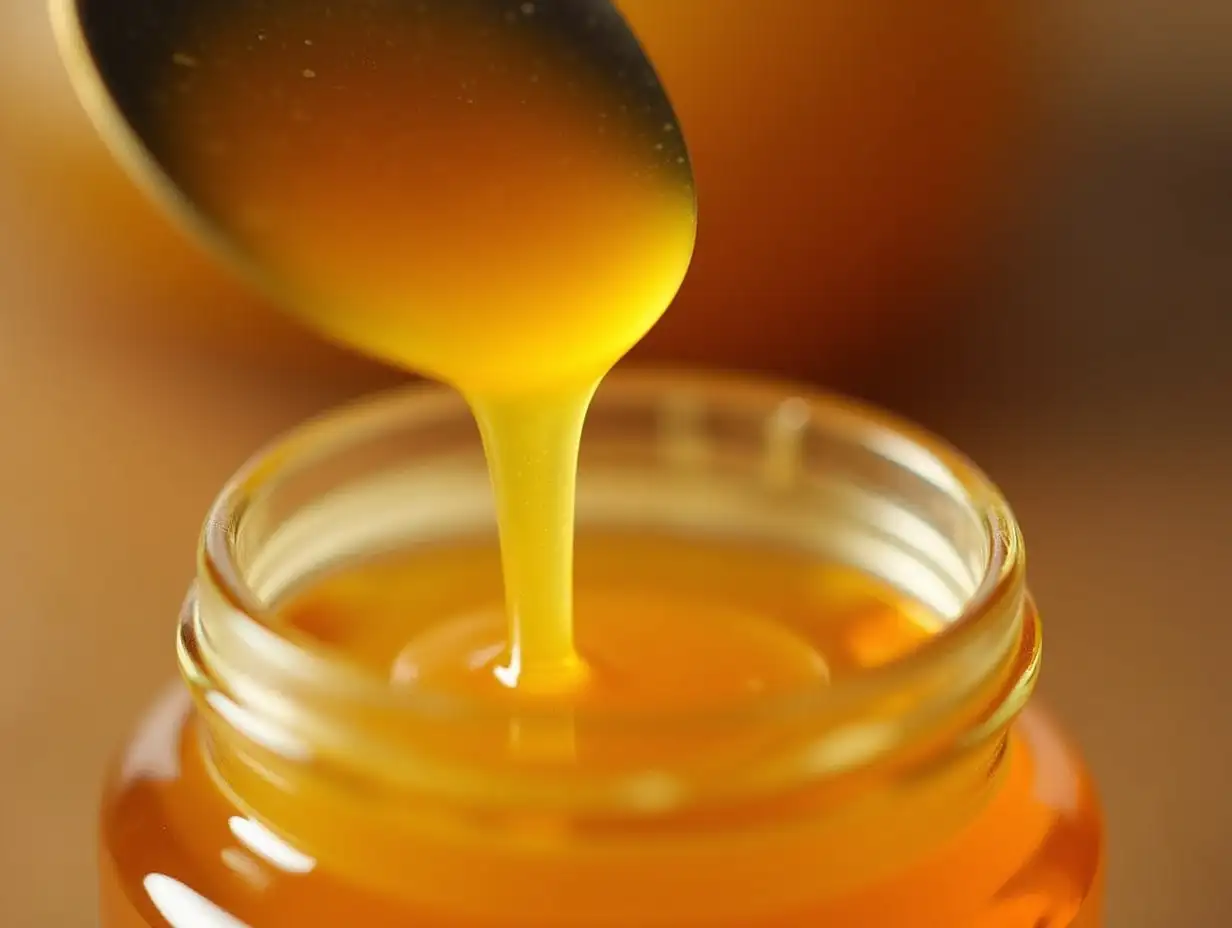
(1012, 221)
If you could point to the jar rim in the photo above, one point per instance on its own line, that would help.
(993, 611)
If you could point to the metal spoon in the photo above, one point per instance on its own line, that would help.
(480, 190)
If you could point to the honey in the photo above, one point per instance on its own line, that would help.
(784, 684)
(811, 649)
(1011, 869)
(675, 624)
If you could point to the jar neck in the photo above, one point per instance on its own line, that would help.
(918, 741)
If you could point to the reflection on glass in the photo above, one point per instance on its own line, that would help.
(184, 908)
(269, 847)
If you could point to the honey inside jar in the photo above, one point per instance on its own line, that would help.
(706, 625)
(674, 624)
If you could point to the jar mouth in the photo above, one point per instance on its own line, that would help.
(972, 644)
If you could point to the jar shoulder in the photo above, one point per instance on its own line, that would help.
(174, 850)
(1069, 861)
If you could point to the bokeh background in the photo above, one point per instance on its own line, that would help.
(1012, 221)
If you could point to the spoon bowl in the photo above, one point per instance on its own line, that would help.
(491, 192)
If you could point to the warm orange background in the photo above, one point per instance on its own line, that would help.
(1091, 376)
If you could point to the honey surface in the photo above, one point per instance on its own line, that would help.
(664, 623)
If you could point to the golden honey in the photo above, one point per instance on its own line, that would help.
(782, 685)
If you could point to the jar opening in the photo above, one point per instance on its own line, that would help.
(768, 463)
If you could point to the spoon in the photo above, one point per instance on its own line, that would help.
(495, 193)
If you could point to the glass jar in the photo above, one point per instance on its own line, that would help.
(282, 786)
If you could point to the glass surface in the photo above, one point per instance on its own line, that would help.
(297, 780)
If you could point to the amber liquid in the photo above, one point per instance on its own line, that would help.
(447, 186)
(684, 624)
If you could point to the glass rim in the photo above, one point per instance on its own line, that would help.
(995, 606)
